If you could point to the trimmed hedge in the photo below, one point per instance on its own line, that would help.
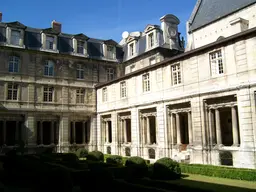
(217, 171)
(166, 168)
(137, 167)
(82, 153)
(95, 156)
(115, 160)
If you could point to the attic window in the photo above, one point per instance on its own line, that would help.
(80, 47)
(151, 40)
(110, 52)
(49, 42)
(15, 37)
(131, 49)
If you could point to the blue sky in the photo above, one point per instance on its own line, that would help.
(104, 19)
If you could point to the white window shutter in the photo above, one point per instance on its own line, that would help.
(8, 35)
(55, 43)
(21, 38)
(85, 48)
(43, 39)
(74, 45)
(105, 50)
(114, 52)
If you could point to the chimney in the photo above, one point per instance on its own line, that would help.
(1, 16)
(56, 26)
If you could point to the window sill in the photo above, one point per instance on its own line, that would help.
(80, 54)
(218, 75)
(50, 50)
(177, 85)
(15, 46)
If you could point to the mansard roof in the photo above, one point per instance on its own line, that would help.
(110, 42)
(50, 31)
(81, 36)
(16, 24)
(208, 11)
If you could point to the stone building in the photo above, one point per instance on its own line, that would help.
(47, 81)
(147, 96)
(195, 107)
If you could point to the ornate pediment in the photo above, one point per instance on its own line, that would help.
(16, 25)
(150, 27)
(110, 42)
(81, 37)
(50, 31)
(131, 38)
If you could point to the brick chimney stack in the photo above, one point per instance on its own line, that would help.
(56, 26)
(1, 16)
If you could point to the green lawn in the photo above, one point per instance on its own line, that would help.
(216, 184)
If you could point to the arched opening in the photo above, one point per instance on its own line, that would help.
(152, 153)
(127, 151)
(226, 158)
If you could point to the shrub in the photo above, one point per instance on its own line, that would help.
(222, 172)
(82, 153)
(166, 168)
(95, 156)
(115, 160)
(137, 167)
(69, 157)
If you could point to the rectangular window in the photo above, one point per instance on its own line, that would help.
(131, 49)
(104, 94)
(110, 74)
(216, 62)
(110, 52)
(151, 40)
(80, 93)
(176, 74)
(80, 47)
(15, 37)
(146, 82)
(12, 92)
(49, 42)
(49, 68)
(123, 89)
(48, 94)
(80, 72)
(14, 62)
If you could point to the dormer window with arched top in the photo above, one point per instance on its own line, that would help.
(131, 44)
(49, 38)
(15, 34)
(151, 36)
(80, 44)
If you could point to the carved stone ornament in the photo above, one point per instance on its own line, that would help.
(172, 32)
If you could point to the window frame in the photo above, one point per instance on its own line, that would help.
(110, 72)
(146, 83)
(12, 92)
(46, 66)
(79, 47)
(111, 54)
(80, 96)
(104, 94)
(151, 39)
(48, 46)
(14, 60)
(48, 92)
(217, 68)
(133, 46)
(80, 72)
(176, 74)
(123, 89)
(16, 37)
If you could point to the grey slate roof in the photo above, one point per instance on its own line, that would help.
(208, 11)
(32, 40)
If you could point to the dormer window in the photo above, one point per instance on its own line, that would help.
(151, 40)
(110, 52)
(131, 49)
(80, 47)
(49, 42)
(80, 44)
(15, 37)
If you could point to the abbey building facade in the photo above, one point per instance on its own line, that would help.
(149, 95)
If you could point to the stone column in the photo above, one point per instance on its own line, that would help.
(52, 132)
(74, 132)
(143, 130)
(17, 134)
(172, 128)
(88, 130)
(107, 131)
(83, 132)
(41, 133)
(190, 129)
(121, 131)
(210, 126)
(235, 127)
(218, 126)
(148, 131)
(125, 132)
(178, 128)
(4, 132)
